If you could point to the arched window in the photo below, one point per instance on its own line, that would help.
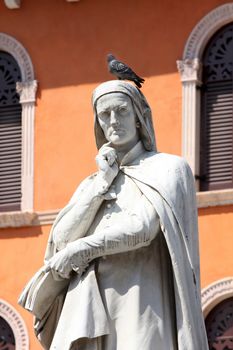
(216, 125)
(17, 108)
(219, 326)
(202, 136)
(10, 134)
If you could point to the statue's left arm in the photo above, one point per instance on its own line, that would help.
(131, 232)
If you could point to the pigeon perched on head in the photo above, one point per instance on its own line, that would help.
(122, 71)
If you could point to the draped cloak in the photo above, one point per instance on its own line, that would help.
(78, 311)
(167, 182)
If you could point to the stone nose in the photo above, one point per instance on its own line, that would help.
(113, 118)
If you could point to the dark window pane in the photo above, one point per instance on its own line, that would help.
(10, 134)
(216, 155)
(7, 339)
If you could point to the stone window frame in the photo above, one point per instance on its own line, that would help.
(27, 92)
(190, 69)
(17, 324)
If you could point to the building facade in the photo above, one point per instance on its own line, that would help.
(52, 56)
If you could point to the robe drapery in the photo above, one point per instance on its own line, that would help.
(139, 309)
(167, 183)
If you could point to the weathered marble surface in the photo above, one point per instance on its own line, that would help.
(126, 243)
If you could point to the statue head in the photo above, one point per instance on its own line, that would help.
(117, 119)
(123, 94)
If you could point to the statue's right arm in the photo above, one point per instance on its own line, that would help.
(85, 202)
(79, 213)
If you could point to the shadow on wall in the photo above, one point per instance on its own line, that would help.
(20, 232)
(68, 42)
(228, 209)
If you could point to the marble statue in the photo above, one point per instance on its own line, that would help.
(121, 266)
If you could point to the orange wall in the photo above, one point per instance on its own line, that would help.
(65, 146)
(22, 252)
(216, 242)
(68, 43)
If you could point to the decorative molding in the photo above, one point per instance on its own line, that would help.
(45, 217)
(16, 323)
(21, 219)
(205, 28)
(215, 293)
(27, 181)
(27, 91)
(190, 77)
(12, 46)
(12, 4)
(214, 198)
(190, 69)
(16, 219)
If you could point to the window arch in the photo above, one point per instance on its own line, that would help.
(26, 88)
(190, 68)
(13, 331)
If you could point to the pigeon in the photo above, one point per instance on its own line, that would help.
(122, 71)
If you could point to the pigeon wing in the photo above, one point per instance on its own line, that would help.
(120, 68)
(122, 71)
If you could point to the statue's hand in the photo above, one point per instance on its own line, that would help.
(108, 167)
(60, 265)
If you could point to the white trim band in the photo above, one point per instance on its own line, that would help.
(215, 293)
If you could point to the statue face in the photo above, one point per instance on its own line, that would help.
(116, 117)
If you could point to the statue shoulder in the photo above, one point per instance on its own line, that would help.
(164, 162)
(170, 171)
(83, 186)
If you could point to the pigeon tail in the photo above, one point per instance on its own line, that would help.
(137, 83)
(141, 80)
